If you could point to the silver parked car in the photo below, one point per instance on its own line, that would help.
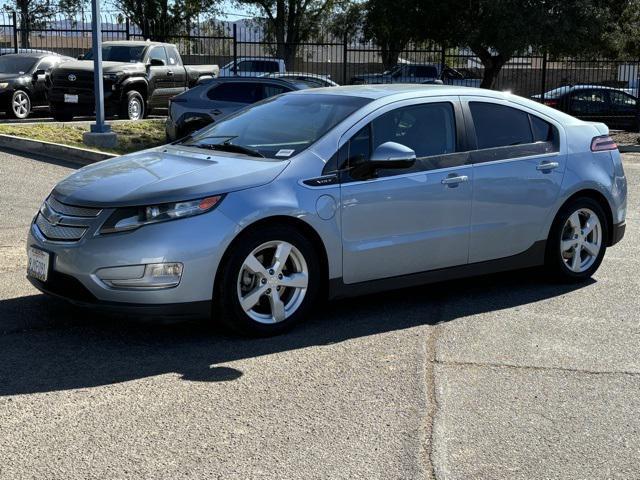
(332, 192)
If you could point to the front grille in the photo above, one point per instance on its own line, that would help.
(83, 80)
(64, 223)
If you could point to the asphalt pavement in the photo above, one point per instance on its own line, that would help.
(500, 377)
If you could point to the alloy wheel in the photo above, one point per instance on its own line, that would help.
(272, 282)
(20, 105)
(581, 240)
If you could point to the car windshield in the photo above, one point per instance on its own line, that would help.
(119, 53)
(16, 64)
(279, 127)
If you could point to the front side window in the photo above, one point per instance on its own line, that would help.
(158, 53)
(584, 102)
(246, 66)
(46, 64)
(279, 127)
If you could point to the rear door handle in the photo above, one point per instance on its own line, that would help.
(454, 180)
(547, 166)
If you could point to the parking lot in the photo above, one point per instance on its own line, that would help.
(495, 377)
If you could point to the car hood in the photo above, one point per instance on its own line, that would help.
(107, 67)
(166, 174)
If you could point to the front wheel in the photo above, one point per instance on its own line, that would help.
(132, 106)
(20, 104)
(268, 283)
(577, 241)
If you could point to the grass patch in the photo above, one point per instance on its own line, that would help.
(132, 136)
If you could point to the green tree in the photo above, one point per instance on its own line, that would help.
(497, 30)
(291, 22)
(391, 25)
(31, 14)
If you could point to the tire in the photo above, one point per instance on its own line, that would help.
(133, 106)
(20, 106)
(61, 113)
(236, 281)
(567, 236)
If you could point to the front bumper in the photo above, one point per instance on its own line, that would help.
(197, 242)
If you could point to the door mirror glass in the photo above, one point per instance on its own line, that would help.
(392, 155)
(156, 62)
(38, 75)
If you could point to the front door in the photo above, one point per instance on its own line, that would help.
(518, 167)
(160, 78)
(411, 220)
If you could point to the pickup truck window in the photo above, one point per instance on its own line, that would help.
(158, 53)
(260, 66)
(119, 53)
(173, 56)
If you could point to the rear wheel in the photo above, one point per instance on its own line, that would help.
(132, 106)
(20, 104)
(577, 241)
(268, 283)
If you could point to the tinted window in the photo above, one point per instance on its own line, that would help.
(158, 53)
(280, 127)
(622, 101)
(426, 71)
(271, 90)
(173, 56)
(239, 92)
(542, 131)
(266, 66)
(16, 64)
(119, 53)
(427, 129)
(46, 63)
(586, 101)
(246, 66)
(500, 126)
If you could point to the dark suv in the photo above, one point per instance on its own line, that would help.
(200, 106)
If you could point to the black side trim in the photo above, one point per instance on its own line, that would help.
(322, 181)
(532, 257)
(618, 232)
(81, 297)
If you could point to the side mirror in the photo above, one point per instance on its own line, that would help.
(81, 56)
(39, 75)
(392, 155)
(156, 62)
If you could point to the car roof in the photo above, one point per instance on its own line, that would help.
(134, 43)
(408, 90)
(280, 81)
(32, 54)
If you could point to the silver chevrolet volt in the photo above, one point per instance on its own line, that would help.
(332, 192)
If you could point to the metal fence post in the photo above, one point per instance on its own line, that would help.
(235, 49)
(543, 82)
(127, 26)
(345, 58)
(443, 61)
(15, 32)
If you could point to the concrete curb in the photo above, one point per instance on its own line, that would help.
(66, 153)
(629, 148)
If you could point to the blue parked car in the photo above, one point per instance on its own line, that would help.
(333, 192)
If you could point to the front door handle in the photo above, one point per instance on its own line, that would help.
(170, 73)
(547, 166)
(454, 180)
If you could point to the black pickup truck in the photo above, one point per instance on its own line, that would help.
(138, 77)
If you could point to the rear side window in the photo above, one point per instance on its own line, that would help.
(173, 56)
(271, 90)
(499, 125)
(542, 131)
(238, 92)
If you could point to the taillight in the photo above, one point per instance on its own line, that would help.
(551, 103)
(603, 143)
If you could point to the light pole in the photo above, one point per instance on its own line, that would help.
(100, 134)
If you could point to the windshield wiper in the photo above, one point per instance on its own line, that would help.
(229, 147)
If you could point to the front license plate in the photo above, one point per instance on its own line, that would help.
(70, 98)
(38, 265)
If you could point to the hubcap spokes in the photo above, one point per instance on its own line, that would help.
(20, 105)
(272, 282)
(581, 240)
(134, 110)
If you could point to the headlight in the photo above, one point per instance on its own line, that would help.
(124, 219)
(111, 76)
(3, 85)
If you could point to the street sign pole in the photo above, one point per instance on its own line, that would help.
(99, 126)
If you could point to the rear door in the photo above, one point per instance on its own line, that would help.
(518, 166)
(411, 220)
(178, 75)
(590, 104)
(160, 81)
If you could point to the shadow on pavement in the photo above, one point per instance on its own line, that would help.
(51, 346)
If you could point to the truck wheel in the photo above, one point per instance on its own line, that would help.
(20, 104)
(132, 106)
(61, 113)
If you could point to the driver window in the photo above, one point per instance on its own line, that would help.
(158, 53)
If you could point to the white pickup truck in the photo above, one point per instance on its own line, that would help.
(252, 67)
